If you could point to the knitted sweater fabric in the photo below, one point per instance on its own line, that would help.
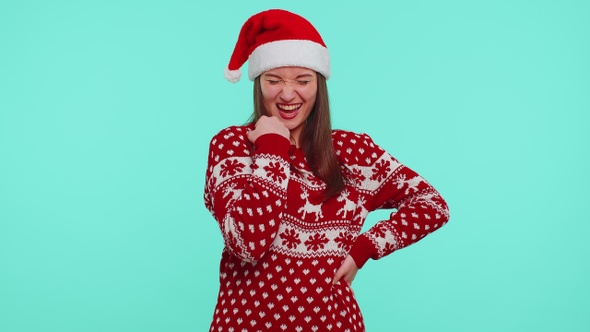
(283, 243)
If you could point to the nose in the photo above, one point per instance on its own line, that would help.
(288, 92)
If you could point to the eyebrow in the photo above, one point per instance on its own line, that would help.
(297, 77)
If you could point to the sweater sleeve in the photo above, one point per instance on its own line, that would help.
(390, 185)
(245, 189)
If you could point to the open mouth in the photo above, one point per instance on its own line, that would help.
(289, 111)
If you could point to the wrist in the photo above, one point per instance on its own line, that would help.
(272, 143)
(361, 251)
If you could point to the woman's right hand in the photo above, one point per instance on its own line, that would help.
(268, 125)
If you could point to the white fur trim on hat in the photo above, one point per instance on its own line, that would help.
(232, 75)
(284, 53)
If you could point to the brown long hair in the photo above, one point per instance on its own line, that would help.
(316, 137)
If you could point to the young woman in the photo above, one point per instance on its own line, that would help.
(291, 195)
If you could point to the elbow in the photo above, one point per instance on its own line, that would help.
(255, 250)
(434, 202)
(249, 253)
(253, 256)
(445, 212)
(244, 256)
(247, 248)
(437, 204)
(259, 251)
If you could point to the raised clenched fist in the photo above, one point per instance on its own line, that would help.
(268, 125)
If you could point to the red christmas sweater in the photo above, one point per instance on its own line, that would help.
(283, 245)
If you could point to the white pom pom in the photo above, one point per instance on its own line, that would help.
(233, 75)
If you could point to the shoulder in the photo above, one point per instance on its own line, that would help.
(346, 135)
(231, 133)
(230, 141)
(355, 148)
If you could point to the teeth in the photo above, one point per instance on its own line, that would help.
(289, 107)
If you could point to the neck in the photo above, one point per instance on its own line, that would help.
(295, 133)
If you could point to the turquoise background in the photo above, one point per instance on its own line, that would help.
(107, 108)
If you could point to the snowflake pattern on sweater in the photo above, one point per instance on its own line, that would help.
(283, 243)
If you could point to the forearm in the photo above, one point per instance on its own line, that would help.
(419, 215)
(248, 195)
(420, 211)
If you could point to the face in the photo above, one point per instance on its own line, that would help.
(289, 93)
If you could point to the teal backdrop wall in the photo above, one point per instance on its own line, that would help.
(107, 108)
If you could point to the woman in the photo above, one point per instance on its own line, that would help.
(291, 195)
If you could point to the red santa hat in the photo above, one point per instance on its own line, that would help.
(277, 38)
